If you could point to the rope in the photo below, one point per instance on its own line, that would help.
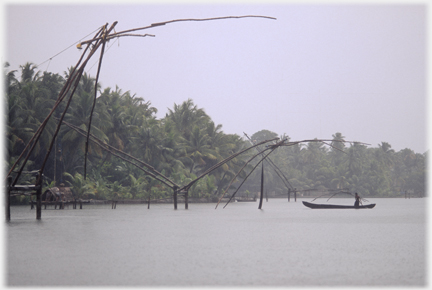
(49, 59)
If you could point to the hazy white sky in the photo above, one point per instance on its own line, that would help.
(318, 69)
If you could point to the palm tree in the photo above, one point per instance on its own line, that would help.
(198, 151)
(338, 146)
(116, 126)
(29, 102)
(28, 73)
(137, 186)
(11, 83)
(186, 116)
(356, 159)
(78, 183)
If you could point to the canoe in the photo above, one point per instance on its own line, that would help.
(313, 205)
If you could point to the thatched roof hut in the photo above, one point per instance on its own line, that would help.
(58, 193)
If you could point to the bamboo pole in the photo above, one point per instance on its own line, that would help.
(323, 141)
(77, 77)
(262, 186)
(108, 148)
(175, 197)
(7, 203)
(38, 197)
(214, 167)
(275, 168)
(244, 180)
(79, 72)
(272, 148)
(123, 33)
(38, 133)
(95, 94)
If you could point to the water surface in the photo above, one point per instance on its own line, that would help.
(284, 244)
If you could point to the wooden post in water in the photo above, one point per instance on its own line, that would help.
(289, 193)
(38, 199)
(80, 201)
(175, 197)
(148, 202)
(295, 194)
(262, 187)
(9, 181)
(186, 200)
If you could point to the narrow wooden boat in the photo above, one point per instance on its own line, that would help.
(246, 199)
(313, 205)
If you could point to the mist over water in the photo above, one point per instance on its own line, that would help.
(285, 244)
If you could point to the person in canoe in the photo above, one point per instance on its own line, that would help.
(357, 200)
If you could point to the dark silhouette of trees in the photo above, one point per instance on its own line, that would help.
(183, 145)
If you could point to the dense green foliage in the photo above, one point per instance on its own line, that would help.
(372, 172)
(182, 145)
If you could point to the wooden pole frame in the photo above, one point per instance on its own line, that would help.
(7, 197)
(39, 197)
(186, 196)
(262, 186)
(175, 197)
(70, 86)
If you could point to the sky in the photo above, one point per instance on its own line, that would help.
(318, 69)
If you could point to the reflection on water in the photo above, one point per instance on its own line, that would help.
(285, 244)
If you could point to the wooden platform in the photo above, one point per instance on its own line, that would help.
(60, 204)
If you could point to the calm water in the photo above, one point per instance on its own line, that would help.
(285, 244)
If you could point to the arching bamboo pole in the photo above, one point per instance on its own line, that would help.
(103, 144)
(186, 187)
(95, 94)
(281, 143)
(63, 93)
(156, 175)
(275, 168)
(262, 186)
(339, 192)
(125, 32)
(272, 148)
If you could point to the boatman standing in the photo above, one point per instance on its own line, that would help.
(357, 200)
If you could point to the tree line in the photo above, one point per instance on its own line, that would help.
(347, 167)
(182, 145)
